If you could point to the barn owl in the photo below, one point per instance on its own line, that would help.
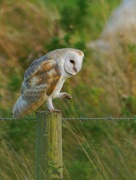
(44, 79)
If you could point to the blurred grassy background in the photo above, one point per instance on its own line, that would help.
(92, 149)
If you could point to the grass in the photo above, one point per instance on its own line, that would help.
(17, 160)
(96, 149)
(91, 149)
(100, 153)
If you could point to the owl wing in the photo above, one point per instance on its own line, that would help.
(40, 80)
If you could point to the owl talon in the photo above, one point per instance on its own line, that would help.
(55, 110)
(67, 96)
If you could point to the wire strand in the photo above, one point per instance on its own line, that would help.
(110, 118)
(101, 118)
(11, 119)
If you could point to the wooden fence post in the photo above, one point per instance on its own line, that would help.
(49, 164)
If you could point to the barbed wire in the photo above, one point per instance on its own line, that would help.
(101, 118)
(110, 118)
(11, 118)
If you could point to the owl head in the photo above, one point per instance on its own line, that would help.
(72, 61)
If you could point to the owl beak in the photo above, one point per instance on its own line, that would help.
(75, 70)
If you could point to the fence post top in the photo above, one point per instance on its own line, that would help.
(44, 114)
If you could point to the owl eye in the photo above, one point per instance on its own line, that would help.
(72, 61)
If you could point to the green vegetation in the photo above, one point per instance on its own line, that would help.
(96, 150)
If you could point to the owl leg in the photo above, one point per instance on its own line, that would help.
(51, 107)
(64, 95)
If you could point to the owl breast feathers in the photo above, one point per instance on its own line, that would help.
(44, 79)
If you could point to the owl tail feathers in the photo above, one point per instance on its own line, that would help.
(19, 107)
(22, 107)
